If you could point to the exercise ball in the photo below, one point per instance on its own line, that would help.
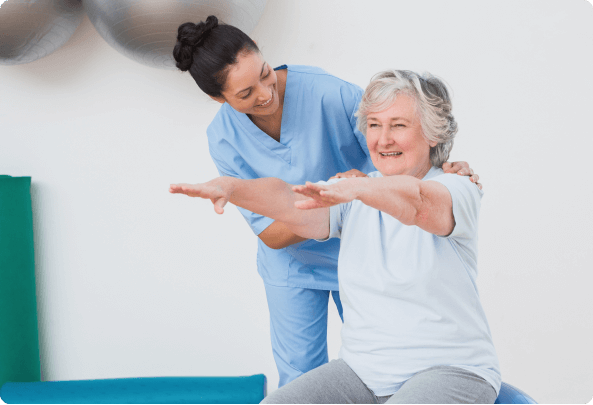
(32, 29)
(146, 30)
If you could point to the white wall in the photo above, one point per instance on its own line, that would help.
(133, 281)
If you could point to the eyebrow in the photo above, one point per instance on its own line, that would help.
(392, 119)
(247, 88)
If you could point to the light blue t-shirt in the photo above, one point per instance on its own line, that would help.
(318, 139)
(410, 298)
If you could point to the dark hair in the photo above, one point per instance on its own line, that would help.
(208, 50)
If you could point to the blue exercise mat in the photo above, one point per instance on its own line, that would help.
(148, 390)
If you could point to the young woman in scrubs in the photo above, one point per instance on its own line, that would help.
(295, 123)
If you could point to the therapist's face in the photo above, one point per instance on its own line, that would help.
(251, 86)
(395, 140)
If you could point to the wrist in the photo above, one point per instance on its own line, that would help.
(230, 184)
(359, 187)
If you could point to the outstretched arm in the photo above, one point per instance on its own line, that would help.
(426, 204)
(270, 197)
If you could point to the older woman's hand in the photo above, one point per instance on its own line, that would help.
(348, 174)
(323, 196)
(462, 169)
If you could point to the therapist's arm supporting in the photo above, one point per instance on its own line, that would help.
(426, 204)
(278, 236)
(270, 197)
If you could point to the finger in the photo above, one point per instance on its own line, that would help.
(447, 167)
(462, 169)
(479, 185)
(310, 185)
(304, 191)
(308, 204)
(180, 189)
(194, 191)
(474, 178)
(456, 167)
(175, 188)
(314, 187)
(327, 195)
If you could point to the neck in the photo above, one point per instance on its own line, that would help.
(421, 171)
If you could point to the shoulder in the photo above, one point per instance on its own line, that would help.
(223, 121)
(456, 184)
(321, 77)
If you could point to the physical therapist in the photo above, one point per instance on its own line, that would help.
(295, 123)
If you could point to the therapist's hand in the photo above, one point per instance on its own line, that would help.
(348, 174)
(218, 191)
(322, 196)
(462, 169)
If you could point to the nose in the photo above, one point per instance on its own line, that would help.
(386, 137)
(264, 93)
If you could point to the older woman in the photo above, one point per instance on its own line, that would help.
(414, 329)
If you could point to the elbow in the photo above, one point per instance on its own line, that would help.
(273, 243)
(432, 214)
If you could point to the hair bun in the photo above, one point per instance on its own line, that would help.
(210, 24)
(195, 34)
(189, 37)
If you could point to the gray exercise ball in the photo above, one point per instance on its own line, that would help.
(32, 29)
(146, 30)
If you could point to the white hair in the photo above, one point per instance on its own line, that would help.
(433, 105)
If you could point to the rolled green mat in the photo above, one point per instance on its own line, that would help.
(19, 338)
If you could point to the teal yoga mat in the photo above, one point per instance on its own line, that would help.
(146, 390)
(19, 341)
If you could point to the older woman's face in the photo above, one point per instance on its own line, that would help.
(395, 140)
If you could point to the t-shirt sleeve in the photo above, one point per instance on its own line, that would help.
(257, 223)
(466, 198)
(337, 213)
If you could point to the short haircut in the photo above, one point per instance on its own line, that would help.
(433, 105)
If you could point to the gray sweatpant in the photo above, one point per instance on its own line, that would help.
(336, 383)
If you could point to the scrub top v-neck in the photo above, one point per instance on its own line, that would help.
(318, 138)
(282, 147)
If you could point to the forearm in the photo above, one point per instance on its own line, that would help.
(279, 236)
(398, 196)
(426, 204)
(275, 199)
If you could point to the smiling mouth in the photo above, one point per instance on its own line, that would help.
(267, 103)
(390, 153)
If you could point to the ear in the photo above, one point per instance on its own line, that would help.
(221, 100)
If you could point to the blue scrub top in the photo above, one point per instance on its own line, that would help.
(318, 139)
